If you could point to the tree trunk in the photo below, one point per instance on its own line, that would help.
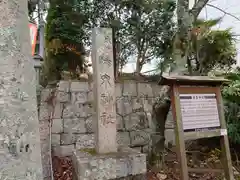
(181, 46)
(20, 149)
(138, 66)
(182, 38)
(185, 19)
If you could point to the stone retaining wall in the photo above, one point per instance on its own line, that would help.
(73, 117)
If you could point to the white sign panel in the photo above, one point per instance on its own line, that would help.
(199, 111)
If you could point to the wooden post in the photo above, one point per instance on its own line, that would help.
(226, 155)
(180, 143)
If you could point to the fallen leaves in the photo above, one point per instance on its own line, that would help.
(63, 169)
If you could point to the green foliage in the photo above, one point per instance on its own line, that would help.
(143, 28)
(231, 95)
(214, 48)
(149, 29)
(209, 49)
(64, 38)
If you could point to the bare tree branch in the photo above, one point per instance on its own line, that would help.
(198, 7)
(210, 5)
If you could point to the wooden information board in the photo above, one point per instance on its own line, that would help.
(198, 113)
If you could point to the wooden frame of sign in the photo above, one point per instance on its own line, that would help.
(198, 112)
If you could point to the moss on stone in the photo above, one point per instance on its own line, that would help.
(91, 151)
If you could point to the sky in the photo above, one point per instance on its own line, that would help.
(230, 6)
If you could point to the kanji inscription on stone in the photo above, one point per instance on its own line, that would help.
(104, 90)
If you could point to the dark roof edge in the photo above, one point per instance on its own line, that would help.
(191, 80)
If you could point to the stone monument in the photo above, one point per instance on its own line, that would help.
(104, 90)
(107, 161)
(20, 151)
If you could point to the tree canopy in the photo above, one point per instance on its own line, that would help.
(64, 39)
(209, 49)
(143, 29)
(212, 48)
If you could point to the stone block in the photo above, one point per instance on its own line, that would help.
(45, 146)
(138, 149)
(138, 164)
(44, 112)
(119, 122)
(80, 110)
(64, 86)
(103, 168)
(47, 178)
(123, 138)
(79, 97)
(118, 89)
(170, 137)
(129, 88)
(144, 89)
(124, 163)
(127, 105)
(119, 106)
(44, 129)
(136, 177)
(88, 109)
(169, 124)
(63, 96)
(140, 138)
(85, 141)
(136, 121)
(123, 167)
(63, 150)
(67, 139)
(45, 156)
(68, 111)
(75, 125)
(79, 86)
(55, 139)
(146, 149)
(88, 140)
(46, 171)
(57, 125)
(89, 124)
(45, 93)
(90, 97)
(58, 109)
(81, 166)
(137, 105)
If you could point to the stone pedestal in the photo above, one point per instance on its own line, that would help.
(126, 164)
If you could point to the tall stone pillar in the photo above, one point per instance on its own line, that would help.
(110, 161)
(20, 157)
(104, 90)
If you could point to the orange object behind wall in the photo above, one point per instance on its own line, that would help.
(33, 36)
